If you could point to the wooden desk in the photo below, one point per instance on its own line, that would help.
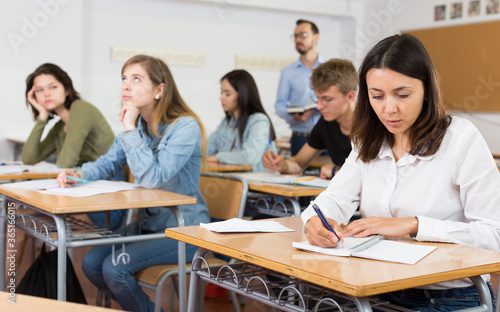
(25, 303)
(354, 277)
(27, 176)
(288, 192)
(211, 167)
(59, 209)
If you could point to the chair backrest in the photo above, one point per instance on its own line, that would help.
(129, 177)
(225, 195)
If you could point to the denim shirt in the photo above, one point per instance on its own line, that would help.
(294, 90)
(225, 142)
(171, 163)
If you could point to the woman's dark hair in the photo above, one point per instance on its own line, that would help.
(406, 55)
(61, 76)
(248, 99)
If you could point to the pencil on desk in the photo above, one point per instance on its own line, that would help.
(304, 179)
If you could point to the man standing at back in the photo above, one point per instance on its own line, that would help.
(294, 88)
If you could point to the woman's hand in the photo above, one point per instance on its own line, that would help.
(273, 161)
(128, 116)
(390, 227)
(318, 235)
(326, 171)
(62, 179)
(43, 114)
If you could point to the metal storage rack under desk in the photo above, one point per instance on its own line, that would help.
(281, 291)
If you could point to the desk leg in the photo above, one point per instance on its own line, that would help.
(3, 239)
(61, 257)
(486, 303)
(194, 282)
(296, 206)
(362, 304)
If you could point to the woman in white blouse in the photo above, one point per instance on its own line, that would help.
(414, 171)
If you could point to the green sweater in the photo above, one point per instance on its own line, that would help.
(88, 136)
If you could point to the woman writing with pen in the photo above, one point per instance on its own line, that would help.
(246, 132)
(414, 171)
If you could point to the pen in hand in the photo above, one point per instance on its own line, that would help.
(325, 223)
(77, 179)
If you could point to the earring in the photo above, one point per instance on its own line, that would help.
(157, 97)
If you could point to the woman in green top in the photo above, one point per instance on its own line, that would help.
(81, 135)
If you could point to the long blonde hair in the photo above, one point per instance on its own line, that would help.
(170, 106)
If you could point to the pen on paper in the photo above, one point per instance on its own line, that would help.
(78, 179)
(325, 223)
(364, 246)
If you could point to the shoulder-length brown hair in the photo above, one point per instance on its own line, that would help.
(170, 106)
(404, 54)
(61, 76)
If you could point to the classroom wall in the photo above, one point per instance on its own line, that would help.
(78, 36)
(32, 33)
(420, 15)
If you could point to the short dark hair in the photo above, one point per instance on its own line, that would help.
(61, 76)
(404, 54)
(338, 72)
(314, 28)
(248, 99)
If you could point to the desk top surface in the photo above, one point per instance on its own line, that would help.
(226, 168)
(137, 198)
(28, 176)
(284, 189)
(352, 276)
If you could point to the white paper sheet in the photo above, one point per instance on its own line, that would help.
(237, 225)
(49, 186)
(268, 177)
(40, 184)
(89, 189)
(13, 169)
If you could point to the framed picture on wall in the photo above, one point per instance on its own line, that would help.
(492, 6)
(439, 12)
(456, 10)
(473, 7)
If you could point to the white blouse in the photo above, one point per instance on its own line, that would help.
(455, 193)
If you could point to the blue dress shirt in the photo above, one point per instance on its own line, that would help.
(294, 90)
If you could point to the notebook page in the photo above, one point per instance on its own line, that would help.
(392, 251)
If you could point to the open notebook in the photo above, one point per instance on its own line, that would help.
(376, 248)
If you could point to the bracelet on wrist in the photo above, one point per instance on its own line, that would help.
(334, 170)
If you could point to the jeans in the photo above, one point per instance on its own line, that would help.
(424, 300)
(119, 280)
(116, 218)
(296, 143)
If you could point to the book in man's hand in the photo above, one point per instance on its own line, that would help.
(300, 109)
(373, 247)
